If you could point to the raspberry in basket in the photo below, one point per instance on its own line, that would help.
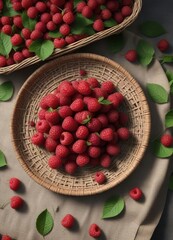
(94, 230)
(68, 221)
(82, 160)
(38, 139)
(100, 177)
(54, 162)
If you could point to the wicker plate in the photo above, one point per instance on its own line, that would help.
(97, 36)
(44, 80)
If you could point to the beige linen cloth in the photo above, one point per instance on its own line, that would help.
(138, 220)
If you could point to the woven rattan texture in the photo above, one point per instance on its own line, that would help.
(45, 80)
(76, 45)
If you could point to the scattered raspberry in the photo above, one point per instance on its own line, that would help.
(66, 138)
(16, 202)
(136, 193)
(131, 55)
(163, 45)
(123, 133)
(14, 183)
(82, 160)
(107, 134)
(167, 140)
(94, 230)
(68, 221)
(54, 162)
(79, 146)
(38, 139)
(42, 126)
(98, 25)
(100, 177)
(6, 237)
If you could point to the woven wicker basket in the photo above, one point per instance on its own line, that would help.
(34, 159)
(58, 52)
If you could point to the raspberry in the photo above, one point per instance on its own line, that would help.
(10, 61)
(70, 167)
(106, 14)
(108, 86)
(94, 125)
(69, 124)
(49, 101)
(136, 193)
(42, 126)
(64, 100)
(6, 237)
(64, 29)
(16, 202)
(40, 26)
(100, 177)
(3, 61)
(105, 161)
(41, 114)
(55, 132)
(80, 6)
(67, 89)
(127, 2)
(41, 6)
(66, 138)
(68, 221)
(57, 18)
(28, 42)
(36, 34)
(82, 72)
(32, 12)
(82, 160)
(167, 140)
(18, 57)
(17, 20)
(7, 29)
(123, 118)
(118, 17)
(84, 88)
(59, 3)
(59, 42)
(51, 26)
(94, 139)
(119, 96)
(62, 151)
(123, 133)
(107, 134)
(26, 53)
(17, 6)
(82, 116)
(126, 11)
(113, 116)
(163, 45)
(54, 162)
(114, 100)
(14, 183)
(27, 3)
(5, 20)
(52, 116)
(98, 92)
(92, 4)
(45, 17)
(50, 144)
(87, 12)
(16, 39)
(93, 105)
(131, 55)
(68, 18)
(82, 132)
(94, 152)
(94, 162)
(79, 146)
(94, 230)
(77, 105)
(98, 25)
(32, 123)
(68, 6)
(113, 149)
(65, 111)
(93, 82)
(53, 9)
(38, 139)
(69, 39)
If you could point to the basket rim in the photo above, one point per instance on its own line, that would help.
(32, 78)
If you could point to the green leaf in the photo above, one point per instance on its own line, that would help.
(110, 23)
(55, 34)
(157, 93)
(79, 26)
(145, 52)
(28, 22)
(169, 75)
(2, 159)
(113, 207)
(87, 120)
(166, 59)
(42, 48)
(44, 223)
(116, 43)
(5, 44)
(170, 185)
(8, 9)
(6, 91)
(151, 29)
(103, 101)
(169, 119)
(161, 151)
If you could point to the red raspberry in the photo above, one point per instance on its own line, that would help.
(57, 18)
(93, 105)
(17, 20)
(93, 82)
(38, 139)
(123, 118)
(82, 132)
(67, 89)
(123, 133)
(107, 134)
(45, 17)
(119, 96)
(50, 144)
(41, 114)
(86, 99)
(53, 9)
(126, 11)
(54, 162)
(49, 101)
(106, 14)
(105, 161)
(40, 26)
(69, 39)
(84, 88)
(52, 116)
(66, 138)
(1, 5)
(36, 34)
(112, 5)
(94, 152)
(65, 111)
(114, 100)
(82, 160)
(94, 125)
(14, 183)
(82, 72)
(94, 230)
(55, 132)
(113, 116)
(32, 123)
(113, 149)
(69, 124)
(100, 177)
(108, 86)
(51, 26)
(28, 43)
(98, 25)
(32, 12)
(7, 29)
(68, 18)
(17, 6)
(80, 6)
(27, 3)
(16, 202)
(118, 17)
(82, 116)
(131, 55)
(18, 57)
(70, 167)
(62, 151)
(68, 221)
(16, 39)
(64, 29)
(77, 105)
(94, 162)
(3, 61)
(10, 61)
(87, 12)
(41, 6)
(59, 42)
(127, 2)
(26, 53)
(94, 139)
(98, 92)
(136, 193)
(42, 126)
(93, 4)
(163, 45)
(167, 140)
(5, 20)
(64, 100)
(59, 3)
(79, 146)
(6, 237)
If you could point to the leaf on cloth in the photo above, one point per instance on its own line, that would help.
(44, 223)
(161, 151)
(170, 185)
(5, 44)
(6, 91)
(145, 52)
(151, 29)
(116, 43)
(169, 119)
(157, 93)
(42, 48)
(166, 59)
(3, 162)
(113, 207)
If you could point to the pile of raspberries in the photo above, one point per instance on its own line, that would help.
(81, 123)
